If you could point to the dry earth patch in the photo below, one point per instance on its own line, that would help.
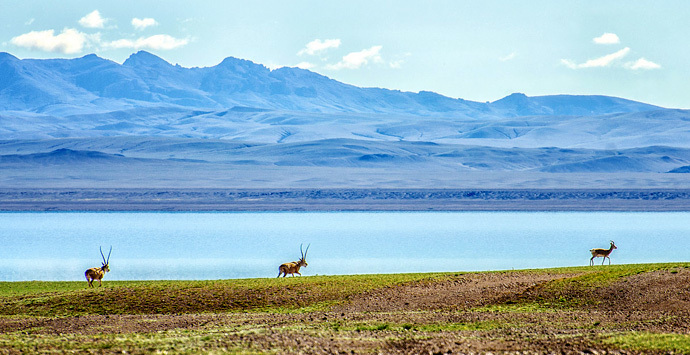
(604, 310)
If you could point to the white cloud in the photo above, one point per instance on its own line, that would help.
(69, 41)
(642, 64)
(142, 23)
(569, 63)
(396, 64)
(316, 46)
(607, 38)
(305, 65)
(273, 66)
(356, 60)
(30, 21)
(121, 43)
(399, 61)
(160, 42)
(92, 20)
(600, 62)
(510, 56)
(613, 59)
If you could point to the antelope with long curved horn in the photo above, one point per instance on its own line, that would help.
(293, 267)
(97, 273)
(604, 253)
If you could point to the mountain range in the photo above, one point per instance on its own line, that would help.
(146, 122)
(92, 83)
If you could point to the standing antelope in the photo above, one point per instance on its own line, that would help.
(604, 253)
(97, 273)
(293, 267)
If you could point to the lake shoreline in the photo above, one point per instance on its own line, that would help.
(340, 200)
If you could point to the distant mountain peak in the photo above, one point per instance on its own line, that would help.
(514, 97)
(91, 56)
(293, 71)
(569, 105)
(144, 58)
(242, 65)
(6, 56)
(90, 60)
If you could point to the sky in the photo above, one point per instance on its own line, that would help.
(474, 50)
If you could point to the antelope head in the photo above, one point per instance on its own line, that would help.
(303, 260)
(105, 266)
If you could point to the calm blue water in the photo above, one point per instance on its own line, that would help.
(60, 246)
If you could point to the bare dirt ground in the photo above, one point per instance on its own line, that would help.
(511, 312)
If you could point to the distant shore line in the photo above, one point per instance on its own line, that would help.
(340, 199)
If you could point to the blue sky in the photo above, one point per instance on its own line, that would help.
(475, 50)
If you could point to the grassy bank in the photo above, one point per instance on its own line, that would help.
(51, 299)
(633, 308)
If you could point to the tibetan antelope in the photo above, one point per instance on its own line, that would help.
(97, 273)
(604, 253)
(293, 267)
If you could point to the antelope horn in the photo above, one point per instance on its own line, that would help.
(300, 251)
(103, 256)
(306, 251)
(111, 250)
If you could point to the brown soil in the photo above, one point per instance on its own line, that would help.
(401, 319)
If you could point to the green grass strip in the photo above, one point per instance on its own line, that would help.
(645, 341)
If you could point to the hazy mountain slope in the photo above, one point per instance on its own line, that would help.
(93, 122)
(178, 162)
(626, 130)
(567, 105)
(144, 79)
(346, 153)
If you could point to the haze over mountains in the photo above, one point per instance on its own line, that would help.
(93, 122)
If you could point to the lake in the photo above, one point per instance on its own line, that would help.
(151, 245)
